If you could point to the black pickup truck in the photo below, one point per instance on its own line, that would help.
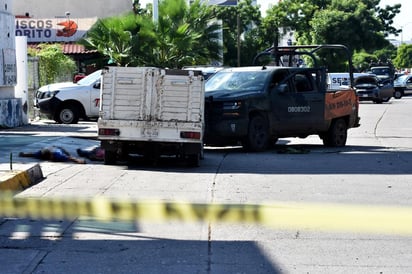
(256, 105)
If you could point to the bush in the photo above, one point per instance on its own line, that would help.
(54, 66)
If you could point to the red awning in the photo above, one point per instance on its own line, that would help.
(70, 48)
(76, 49)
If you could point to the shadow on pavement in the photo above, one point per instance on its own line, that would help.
(289, 159)
(61, 246)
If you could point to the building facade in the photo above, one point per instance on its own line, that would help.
(41, 21)
(76, 8)
(63, 22)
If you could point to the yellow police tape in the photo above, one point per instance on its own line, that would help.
(324, 217)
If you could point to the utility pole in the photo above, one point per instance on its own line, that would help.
(402, 30)
(238, 39)
(155, 10)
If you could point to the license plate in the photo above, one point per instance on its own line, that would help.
(365, 95)
(150, 132)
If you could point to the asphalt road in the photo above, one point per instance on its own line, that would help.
(374, 169)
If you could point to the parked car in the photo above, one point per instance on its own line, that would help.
(403, 84)
(398, 74)
(383, 72)
(67, 102)
(372, 88)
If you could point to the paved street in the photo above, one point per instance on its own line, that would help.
(374, 169)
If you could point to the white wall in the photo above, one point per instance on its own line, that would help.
(10, 107)
(77, 8)
(7, 50)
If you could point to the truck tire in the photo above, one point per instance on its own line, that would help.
(68, 114)
(258, 134)
(337, 134)
(398, 94)
(110, 157)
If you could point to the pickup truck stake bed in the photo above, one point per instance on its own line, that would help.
(257, 105)
(151, 112)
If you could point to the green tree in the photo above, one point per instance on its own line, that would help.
(353, 22)
(362, 59)
(183, 35)
(208, 47)
(404, 56)
(291, 15)
(358, 24)
(386, 16)
(113, 37)
(54, 66)
(249, 23)
(386, 54)
(187, 35)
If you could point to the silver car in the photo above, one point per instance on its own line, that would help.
(403, 84)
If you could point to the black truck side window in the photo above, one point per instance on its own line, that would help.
(277, 78)
(303, 82)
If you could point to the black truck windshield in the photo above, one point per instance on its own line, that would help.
(235, 81)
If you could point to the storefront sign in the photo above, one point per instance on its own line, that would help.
(53, 30)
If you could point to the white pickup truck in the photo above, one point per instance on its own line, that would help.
(151, 112)
(67, 102)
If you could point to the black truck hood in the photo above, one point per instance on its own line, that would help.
(222, 95)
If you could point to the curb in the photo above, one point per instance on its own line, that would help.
(19, 180)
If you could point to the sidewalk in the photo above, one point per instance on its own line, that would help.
(17, 173)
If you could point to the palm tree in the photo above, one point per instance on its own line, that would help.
(183, 35)
(112, 38)
(209, 46)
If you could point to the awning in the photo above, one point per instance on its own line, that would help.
(76, 49)
(69, 48)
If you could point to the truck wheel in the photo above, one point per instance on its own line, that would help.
(386, 99)
(258, 134)
(398, 94)
(110, 157)
(67, 115)
(337, 134)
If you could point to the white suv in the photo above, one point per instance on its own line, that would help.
(67, 102)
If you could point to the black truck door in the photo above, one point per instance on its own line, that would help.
(297, 102)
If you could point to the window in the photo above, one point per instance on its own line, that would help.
(303, 82)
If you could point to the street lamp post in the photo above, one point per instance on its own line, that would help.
(402, 30)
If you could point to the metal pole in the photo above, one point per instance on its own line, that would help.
(401, 35)
(155, 10)
(238, 40)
